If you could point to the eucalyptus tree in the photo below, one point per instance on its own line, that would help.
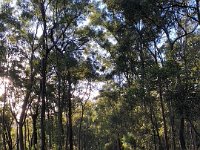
(60, 37)
(137, 27)
(58, 21)
(131, 24)
(17, 44)
(5, 119)
(183, 82)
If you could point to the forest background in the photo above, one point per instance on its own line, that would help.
(99, 75)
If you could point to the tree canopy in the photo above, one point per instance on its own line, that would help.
(99, 75)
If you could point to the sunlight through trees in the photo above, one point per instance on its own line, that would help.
(99, 75)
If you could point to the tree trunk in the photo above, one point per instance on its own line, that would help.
(49, 132)
(181, 133)
(60, 112)
(4, 141)
(10, 145)
(28, 135)
(163, 115)
(4, 124)
(43, 107)
(34, 134)
(80, 127)
(173, 134)
(17, 137)
(70, 130)
(119, 144)
(193, 139)
(25, 135)
(43, 74)
(155, 129)
(26, 101)
(21, 140)
(67, 133)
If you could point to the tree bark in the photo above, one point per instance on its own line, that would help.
(43, 107)
(119, 144)
(155, 128)
(34, 134)
(163, 115)
(21, 140)
(60, 107)
(3, 122)
(80, 127)
(173, 133)
(43, 75)
(70, 130)
(17, 137)
(181, 133)
(4, 140)
(25, 135)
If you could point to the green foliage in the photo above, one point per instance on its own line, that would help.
(56, 53)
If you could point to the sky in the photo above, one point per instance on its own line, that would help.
(3, 81)
(1, 87)
(1, 1)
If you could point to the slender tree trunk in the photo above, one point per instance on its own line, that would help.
(43, 107)
(26, 101)
(4, 141)
(21, 140)
(193, 137)
(28, 134)
(34, 134)
(181, 133)
(3, 122)
(49, 132)
(60, 125)
(155, 129)
(196, 134)
(67, 133)
(43, 74)
(119, 144)
(6, 131)
(17, 137)
(60, 109)
(10, 147)
(163, 115)
(25, 135)
(173, 132)
(34, 117)
(70, 130)
(80, 127)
